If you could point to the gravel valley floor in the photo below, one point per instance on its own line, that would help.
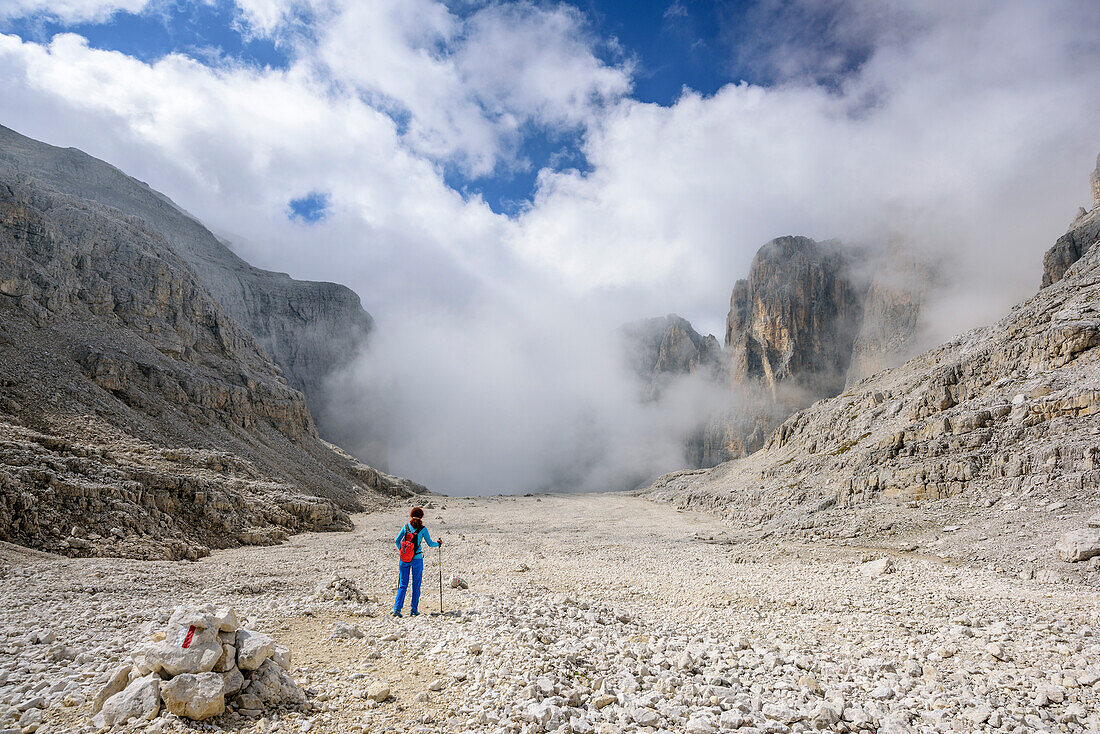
(592, 613)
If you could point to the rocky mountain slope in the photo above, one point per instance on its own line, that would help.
(998, 429)
(137, 416)
(309, 329)
(810, 318)
(660, 348)
(1082, 234)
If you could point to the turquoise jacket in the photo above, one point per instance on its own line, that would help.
(406, 528)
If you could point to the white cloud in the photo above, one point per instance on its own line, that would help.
(72, 11)
(469, 85)
(265, 16)
(946, 138)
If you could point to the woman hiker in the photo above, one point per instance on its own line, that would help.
(408, 546)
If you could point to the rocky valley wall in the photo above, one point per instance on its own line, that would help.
(310, 330)
(136, 415)
(998, 421)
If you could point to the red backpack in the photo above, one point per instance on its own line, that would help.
(408, 545)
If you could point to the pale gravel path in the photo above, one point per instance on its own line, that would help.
(642, 587)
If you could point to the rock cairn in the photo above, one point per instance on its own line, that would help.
(201, 663)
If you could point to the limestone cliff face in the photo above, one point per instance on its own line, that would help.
(1071, 247)
(891, 330)
(1082, 235)
(69, 266)
(793, 320)
(309, 329)
(660, 348)
(806, 323)
(789, 336)
(132, 405)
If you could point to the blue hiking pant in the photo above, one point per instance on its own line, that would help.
(416, 565)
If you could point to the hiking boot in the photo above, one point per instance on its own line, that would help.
(414, 614)
(397, 614)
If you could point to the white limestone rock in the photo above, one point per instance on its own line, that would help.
(1079, 545)
(253, 648)
(344, 630)
(281, 656)
(197, 697)
(378, 691)
(115, 684)
(234, 681)
(190, 645)
(139, 700)
(876, 568)
(274, 686)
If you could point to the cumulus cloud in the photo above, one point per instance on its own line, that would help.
(469, 86)
(966, 130)
(71, 11)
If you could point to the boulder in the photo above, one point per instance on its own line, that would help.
(249, 702)
(253, 648)
(233, 680)
(343, 630)
(1079, 545)
(378, 691)
(139, 700)
(115, 684)
(191, 644)
(876, 568)
(281, 657)
(227, 620)
(602, 700)
(699, 724)
(228, 660)
(646, 716)
(456, 582)
(274, 686)
(196, 697)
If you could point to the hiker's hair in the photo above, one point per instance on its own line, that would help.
(416, 518)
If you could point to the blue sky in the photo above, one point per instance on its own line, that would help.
(668, 45)
(677, 44)
(311, 208)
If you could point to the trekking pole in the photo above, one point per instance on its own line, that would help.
(440, 549)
